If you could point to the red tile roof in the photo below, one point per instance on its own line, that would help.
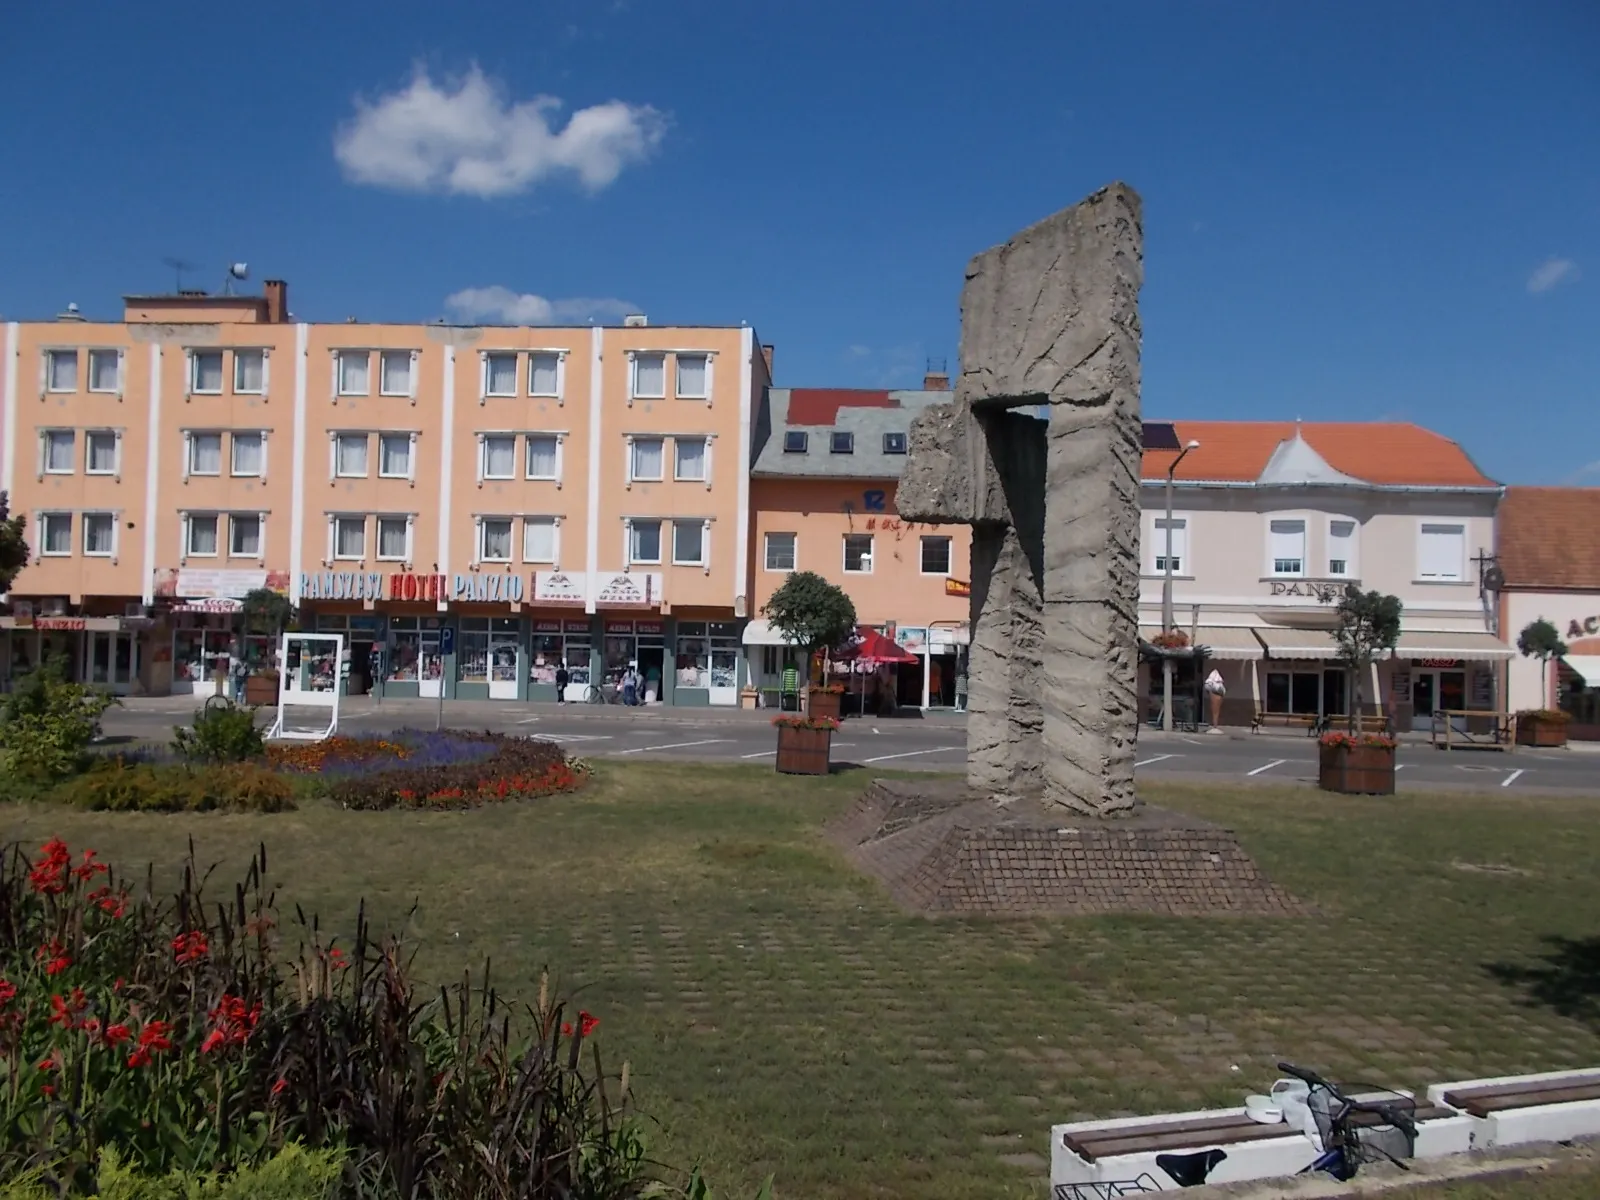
(1380, 453)
(820, 406)
(1549, 537)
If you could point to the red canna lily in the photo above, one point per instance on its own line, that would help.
(190, 947)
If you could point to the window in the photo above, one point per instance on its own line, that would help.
(840, 442)
(646, 459)
(894, 443)
(206, 366)
(690, 455)
(247, 454)
(202, 537)
(858, 553)
(351, 456)
(250, 372)
(394, 455)
(542, 456)
(355, 371)
(1341, 547)
(61, 370)
(539, 539)
(105, 370)
(692, 376)
(494, 539)
(650, 376)
(394, 539)
(1442, 552)
(349, 537)
(1288, 547)
(644, 542)
(100, 534)
(500, 374)
(795, 441)
(57, 531)
(102, 451)
(688, 542)
(500, 457)
(1180, 544)
(205, 454)
(780, 552)
(60, 452)
(544, 374)
(394, 373)
(244, 537)
(936, 556)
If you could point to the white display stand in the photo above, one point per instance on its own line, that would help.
(310, 681)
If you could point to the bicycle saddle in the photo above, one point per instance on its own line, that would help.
(1190, 1170)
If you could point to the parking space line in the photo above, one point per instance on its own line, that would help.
(1145, 762)
(674, 745)
(759, 754)
(1277, 762)
(579, 737)
(1512, 778)
(912, 753)
(528, 721)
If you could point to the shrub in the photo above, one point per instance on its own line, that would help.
(47, 725)
(116, 786)
(293, 1173)
(220, 733)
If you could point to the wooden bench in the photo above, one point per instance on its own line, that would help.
(1555, 1106)
(1310, 722)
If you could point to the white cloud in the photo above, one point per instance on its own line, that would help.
(1551, 272)
(502, 305)
(472, 139)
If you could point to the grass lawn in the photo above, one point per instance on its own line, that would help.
(781, 1016)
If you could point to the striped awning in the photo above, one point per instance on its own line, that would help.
(1476, 647)
(210, 604)
(1298, 643)
(1231, 642)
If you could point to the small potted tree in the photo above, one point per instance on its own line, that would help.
(1542, 726)
(814, 615)
(265, 611)
(1351, 760)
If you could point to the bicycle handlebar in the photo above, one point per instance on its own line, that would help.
(1305, 1076)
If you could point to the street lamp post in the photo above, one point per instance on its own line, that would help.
(1166, 596)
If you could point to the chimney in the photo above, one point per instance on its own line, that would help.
(277, 301)
(936, 378)
(766, 353)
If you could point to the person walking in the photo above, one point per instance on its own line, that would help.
(630, 686)
(562, 679)
(238, 671)
(961, 689)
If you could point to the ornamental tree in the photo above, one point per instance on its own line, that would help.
(811, 613)
(1369, 625)
(13, 546)
(268, 611)
(1540, 639)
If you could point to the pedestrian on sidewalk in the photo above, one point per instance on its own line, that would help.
(562, 679)
(630, 686)
(961, 689)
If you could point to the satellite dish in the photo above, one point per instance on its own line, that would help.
(239, 270)
(1494, 579)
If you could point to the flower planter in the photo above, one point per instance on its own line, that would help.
(823, 704)
(1356, 770)
(261, 689)
(804, 751)
(1541, 731)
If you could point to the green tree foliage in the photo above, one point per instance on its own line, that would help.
(267, 611)
(13, 546)
(221, 733)
(1369, 625)
(1541, 640)
(47, 724)
(811, 612)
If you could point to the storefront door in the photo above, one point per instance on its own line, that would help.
(430, 676)
(503, 666)
(113, 661)
(1435, 692)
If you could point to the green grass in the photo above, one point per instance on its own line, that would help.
(781, 1016)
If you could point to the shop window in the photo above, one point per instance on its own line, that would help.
(780, 548)
(692, 666)
(1294, 692)
(472, 650)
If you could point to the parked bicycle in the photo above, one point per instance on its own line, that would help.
(1185, 1170)
(602, 693)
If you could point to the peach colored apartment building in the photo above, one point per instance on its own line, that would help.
(539, 497)
(823, 485)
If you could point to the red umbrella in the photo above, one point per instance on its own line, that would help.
(872, 649)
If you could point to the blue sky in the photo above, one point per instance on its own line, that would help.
(1351, 211)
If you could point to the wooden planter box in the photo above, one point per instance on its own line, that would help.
(1535, 731)
(804, 751)
(824, 704)
(261, 689)
(1356, 770)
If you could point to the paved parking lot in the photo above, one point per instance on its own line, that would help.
(936, 742)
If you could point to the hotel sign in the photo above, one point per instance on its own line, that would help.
(498, 588)
(416, 587)
(1320, 590)
(341, 585)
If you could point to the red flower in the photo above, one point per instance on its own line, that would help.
(139, 1058)
(8, 992)
(117, 1034)
(90, 868)
(48, 1089)
(190, 947)
(587, 1024)
(49, 877)
(64, 1012)
(153, 1037)
(566, 1029)
(213, 1039)
(336, 959)
(54, 956)
(232, 1022)
(48, 1063)
(279, 1086)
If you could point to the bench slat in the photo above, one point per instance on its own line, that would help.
(1146, 1143)
(1521, 1086)
(1487, 1106)
(1138, 1126)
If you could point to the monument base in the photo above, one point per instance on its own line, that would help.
(940, 848)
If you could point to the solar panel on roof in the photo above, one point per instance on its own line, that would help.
(1160, 435)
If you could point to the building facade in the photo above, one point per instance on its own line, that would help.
(1272, 520)
(823, 486)
(1549, 561)
(550, 497)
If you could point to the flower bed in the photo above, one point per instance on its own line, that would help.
(1356, 763)
(1542, 727)
(459, 771)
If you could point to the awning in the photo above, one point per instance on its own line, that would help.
(1478, 647)
(212, 604)
(761, 633)
(1230, 642)
(1587, 665)
(1298, 643)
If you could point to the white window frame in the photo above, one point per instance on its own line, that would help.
(1271, 563)
(266, 359)
(47, 517)
(1183, 539)
(261, 535)
(49, 438)
(555, 539)
(630, 443)
(1461, 566)
(677, 387)
(47, 370)
(116, 388)
(334, 520)
(628, 524)
(705, 541)
(949, 554)
(411, 372)
(560, 440)
(484, 439)
(189, 519)
(410, 521)
(705, 460)
(486, 375)
(196, 353)
(633, 375)
(116, 451)
(480, 551)
(338, 372)
(338, 459)
(190, 442)
(110, 517)
(871, 553)
(410, 439)
(1352, 564)
(233, 453)
(794, 551)
(559, 395)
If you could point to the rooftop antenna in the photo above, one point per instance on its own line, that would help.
(179, 266)
(236, 271)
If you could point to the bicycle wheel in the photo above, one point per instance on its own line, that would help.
(593, 695)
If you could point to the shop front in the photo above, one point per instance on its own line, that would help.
(558, 643)
(413, 663)
(362, 661)
(706, 663)
(107, 652)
